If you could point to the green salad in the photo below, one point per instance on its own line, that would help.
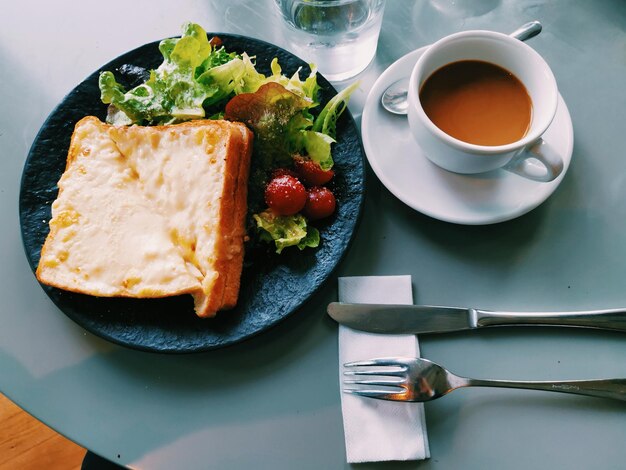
(200, 79)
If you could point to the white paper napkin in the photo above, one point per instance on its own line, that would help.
(378, 430)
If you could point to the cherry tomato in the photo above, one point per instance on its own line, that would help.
(311, 173)
(285, 195)
(320, 203)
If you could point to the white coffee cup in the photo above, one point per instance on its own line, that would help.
(529, 156)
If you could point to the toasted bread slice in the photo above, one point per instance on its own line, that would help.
(197, 174)
(105, 238)
(151, 212)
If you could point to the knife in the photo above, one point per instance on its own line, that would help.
(422, 319)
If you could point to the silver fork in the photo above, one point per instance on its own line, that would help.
(417, 379)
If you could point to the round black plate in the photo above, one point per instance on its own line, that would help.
(272, 286)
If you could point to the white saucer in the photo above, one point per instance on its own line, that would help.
(481, 199)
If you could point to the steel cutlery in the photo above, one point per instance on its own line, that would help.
(419, 380)
(423, 319)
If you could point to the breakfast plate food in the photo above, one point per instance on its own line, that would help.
(479, 199)
(272, 285)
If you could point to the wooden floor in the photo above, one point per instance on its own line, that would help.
(26, 443)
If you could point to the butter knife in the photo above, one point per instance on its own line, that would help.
(423, 319)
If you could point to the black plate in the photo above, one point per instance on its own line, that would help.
(273, 286)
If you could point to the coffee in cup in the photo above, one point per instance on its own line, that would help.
(477, 102)
(480, 100)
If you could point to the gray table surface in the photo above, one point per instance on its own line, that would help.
(273, 401)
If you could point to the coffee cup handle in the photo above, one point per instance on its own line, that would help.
(538, 162)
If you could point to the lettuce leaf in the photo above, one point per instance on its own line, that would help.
(307, 88)
(181, 87)
(286, 231)
(326, 121)
(317, 146)
(194, 78)
(274, 114)
(235, 76)
(281, 123)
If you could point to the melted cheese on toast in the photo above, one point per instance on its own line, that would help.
(151, 212)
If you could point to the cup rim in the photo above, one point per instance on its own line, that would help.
(416, 76)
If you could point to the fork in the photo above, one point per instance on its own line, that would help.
(419, 380)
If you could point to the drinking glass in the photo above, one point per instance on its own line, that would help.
(339, 36)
